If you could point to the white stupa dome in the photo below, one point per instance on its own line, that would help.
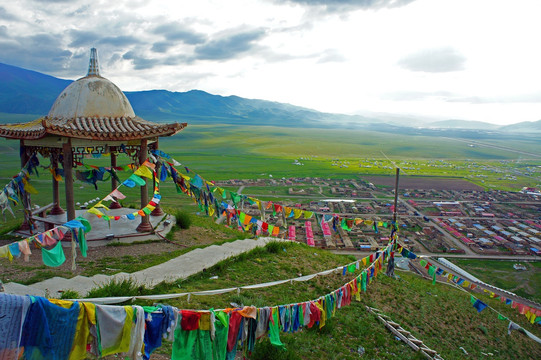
(91, 96)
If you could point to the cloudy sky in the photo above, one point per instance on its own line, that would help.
(442, 59)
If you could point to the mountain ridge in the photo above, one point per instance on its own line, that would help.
(25, 92)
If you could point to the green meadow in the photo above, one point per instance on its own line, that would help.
(219, 152)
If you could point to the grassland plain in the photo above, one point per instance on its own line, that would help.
(526, 283)
(440, 315)
(221, 152)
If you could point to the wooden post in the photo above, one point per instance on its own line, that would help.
(25, 226)
(56, 210)
(114, 183)
(396, 196)
(144, 226)
(68, 179)
(158, 211)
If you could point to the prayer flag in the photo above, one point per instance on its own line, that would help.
(479, 305)
(95, 212)
(149, 165)
(143, 171)
(137, 180)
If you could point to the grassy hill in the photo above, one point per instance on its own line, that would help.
(439, 315)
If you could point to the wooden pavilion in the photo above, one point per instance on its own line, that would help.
(91, 116)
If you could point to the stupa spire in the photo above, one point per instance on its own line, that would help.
(93, 66)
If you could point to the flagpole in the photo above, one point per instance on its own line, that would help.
(396, 195)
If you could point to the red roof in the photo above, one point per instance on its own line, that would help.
(103, 128)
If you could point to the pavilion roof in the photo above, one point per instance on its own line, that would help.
(91, 128)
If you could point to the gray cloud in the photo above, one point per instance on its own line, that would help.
(347, 5)
(161, 46)
(5, 15)
(174, 31)
(119, 41)
(229, 46)
(139, 61)
(434, 60)
(83, 38)
(40, 52)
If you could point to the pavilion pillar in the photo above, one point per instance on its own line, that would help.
(114, 184)
(144, 226)
(25, 226)
(158, 211)
(56, 210)
(68, 179)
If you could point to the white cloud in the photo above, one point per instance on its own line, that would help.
(466, 59)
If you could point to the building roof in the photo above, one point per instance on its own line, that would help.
(91, 108)
(102, 128)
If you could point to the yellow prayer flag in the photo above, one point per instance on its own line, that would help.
(143, 171)
(149, 165)
(466, 284)
(297, 213)
(308, 214)
(100, 205)
(369, 222)
(29, 188)
(56, 176)
(95, 211)
(364, 261)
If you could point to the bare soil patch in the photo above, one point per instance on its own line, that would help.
(424, 183)
(103, 259)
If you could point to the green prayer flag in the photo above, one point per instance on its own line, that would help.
(146, 210)
(501, 317)
(54, 257)
(472, 299)
(352, 268)
(432, 272)
(137, 180)
(235, 197)
(363, 280)
(179, 189)
(85, 223)
(423, 263)
(274, 329)
(221, 328)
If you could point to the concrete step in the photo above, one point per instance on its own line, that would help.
(181, 267)
(19, 289)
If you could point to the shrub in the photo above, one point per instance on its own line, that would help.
(70, 294)
(124, 287)
(183, 219)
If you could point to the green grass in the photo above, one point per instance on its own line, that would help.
(439, 315)
(124, 287)
(502, 274)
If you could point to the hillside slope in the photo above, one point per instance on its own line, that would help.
(439, 315)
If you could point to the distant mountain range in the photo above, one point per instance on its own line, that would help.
(26, 94)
